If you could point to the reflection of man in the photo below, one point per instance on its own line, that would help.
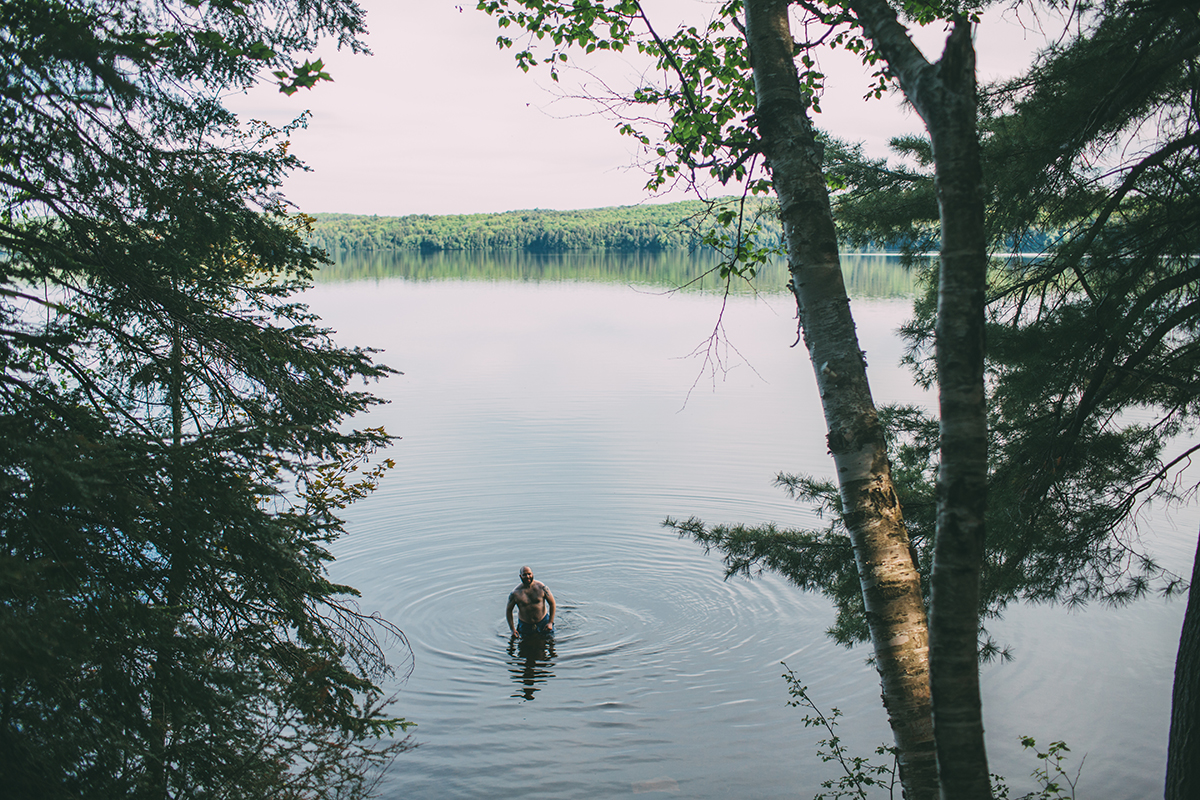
(534, 604)
(531, 664)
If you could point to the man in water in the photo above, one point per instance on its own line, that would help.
(534, 604)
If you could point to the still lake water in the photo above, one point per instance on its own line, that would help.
(553, 411)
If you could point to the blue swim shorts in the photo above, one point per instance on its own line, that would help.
(543, 628)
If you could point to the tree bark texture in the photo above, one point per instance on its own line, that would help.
(944, 94)
(890, 581)
(1183, 746)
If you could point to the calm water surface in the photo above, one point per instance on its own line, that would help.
(556, 423)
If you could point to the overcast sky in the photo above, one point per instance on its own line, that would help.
(440, 121)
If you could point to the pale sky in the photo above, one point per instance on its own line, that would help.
(440, 121)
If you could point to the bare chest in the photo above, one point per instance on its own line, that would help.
(528, 597)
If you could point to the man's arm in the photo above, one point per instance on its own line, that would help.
(550, 602)
(512, 602)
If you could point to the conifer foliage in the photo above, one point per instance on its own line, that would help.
(172, 449)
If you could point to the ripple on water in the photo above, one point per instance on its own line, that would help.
(543, 425)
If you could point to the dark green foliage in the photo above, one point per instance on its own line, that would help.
(260, 666)
(876, 202)
(172, 441)
(1092, 346)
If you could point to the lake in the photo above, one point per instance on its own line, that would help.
(553, 411)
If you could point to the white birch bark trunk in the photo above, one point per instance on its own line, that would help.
(890, 581)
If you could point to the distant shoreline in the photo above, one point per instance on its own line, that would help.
(646, 228)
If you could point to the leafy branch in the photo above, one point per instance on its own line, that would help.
(858, 772)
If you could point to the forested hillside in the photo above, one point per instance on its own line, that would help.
(649, 227)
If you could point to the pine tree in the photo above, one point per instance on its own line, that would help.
(174, 454)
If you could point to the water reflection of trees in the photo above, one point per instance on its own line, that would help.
(867, 274)
(530, 663)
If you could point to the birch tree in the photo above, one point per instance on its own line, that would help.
(890, 584)
(891, 587)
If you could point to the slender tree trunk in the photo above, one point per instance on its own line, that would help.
(1183, 747)
(890, 581)
(962, 475)
(944, 96)
(161, 721)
